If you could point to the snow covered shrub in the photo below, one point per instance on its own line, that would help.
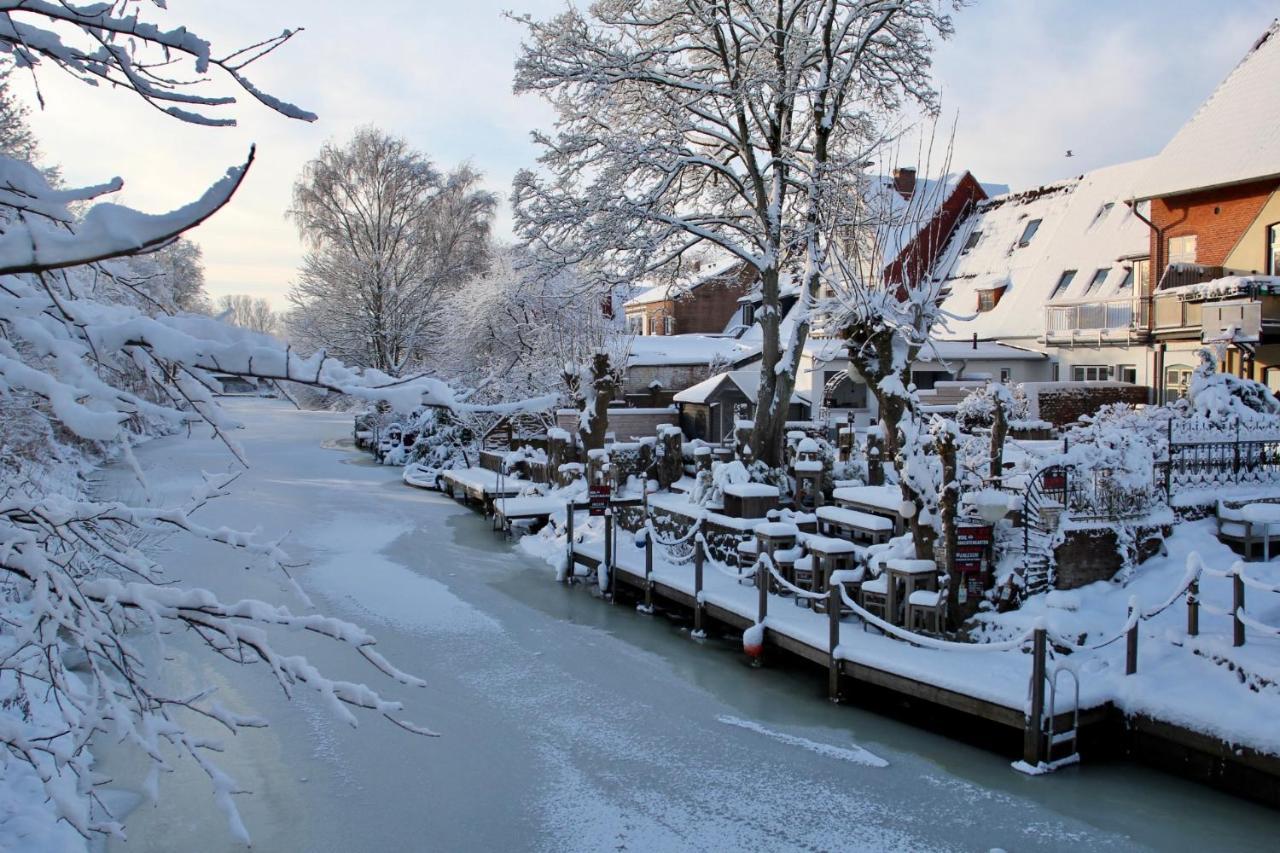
(977, 410)
(1217, 396)
(443, 441)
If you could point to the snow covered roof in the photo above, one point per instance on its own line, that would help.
(652, 350)
(748, 382)
(720, 269)
(1083, 225)
(917, 211)
(833, 349)
(1233, 137)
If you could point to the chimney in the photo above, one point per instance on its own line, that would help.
(904, 181)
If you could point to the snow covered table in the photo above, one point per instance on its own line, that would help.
(854, 524)
(913, 575)
(884, 501)
(1264, 519)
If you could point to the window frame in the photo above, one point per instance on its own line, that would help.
(1029, 232)
(1169, 253)
(1080, 372)
(1099, 278)
(1065, 281)
(1272, 249)
(971, 241)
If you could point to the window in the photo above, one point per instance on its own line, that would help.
(635, 324)
(1103, 211)
(1176, 379)
(1090, 373)
(1005, 374)
(1127, 284)
(974, 237)
(668, 325)
(748, 313)
(1273, 249)
(988, 300)
(1055, 371)
(1030, 231)
(1063, 283)
(1182, 250)
(1098, 278)
(1129, 373)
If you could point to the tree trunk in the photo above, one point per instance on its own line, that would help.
(999, 431)
(591, 432)
(949, 502)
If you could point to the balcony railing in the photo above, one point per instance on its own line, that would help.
(1109, 318)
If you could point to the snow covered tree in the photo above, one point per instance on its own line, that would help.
(248, 312)
(1219, 396)
(78, 368)
(389, 240)
(742, 125)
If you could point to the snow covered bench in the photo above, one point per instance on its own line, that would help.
(1234, 527)
(855, 525)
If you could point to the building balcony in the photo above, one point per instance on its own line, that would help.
(1246, 307)
(1097, 321)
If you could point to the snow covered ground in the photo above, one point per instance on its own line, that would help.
(568, 724)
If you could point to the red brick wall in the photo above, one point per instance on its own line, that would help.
(1063, 405)
(706, 308)
(1218, 218)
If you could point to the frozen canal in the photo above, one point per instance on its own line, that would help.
(567, 724)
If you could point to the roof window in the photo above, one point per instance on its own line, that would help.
(1098, 278)
(1030, 231)
(1063, 283)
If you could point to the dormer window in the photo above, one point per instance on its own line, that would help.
(1127, 284)
(990, 298)
(1030, 231)
(974, 237)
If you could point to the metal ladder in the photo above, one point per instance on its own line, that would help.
(1055, 739)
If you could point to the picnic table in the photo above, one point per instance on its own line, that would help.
(1264, 518)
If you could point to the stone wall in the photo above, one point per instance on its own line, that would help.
(1091, 554)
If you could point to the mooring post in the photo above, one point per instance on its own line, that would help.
(1131, 644)
(607, 559)
(648, 570)
(1237, 607)
(698, 556)
(1193, 608)
(833, 623)
(568, 529)
(762, 584)
(1033, 739)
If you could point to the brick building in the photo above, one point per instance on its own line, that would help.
(706, 302)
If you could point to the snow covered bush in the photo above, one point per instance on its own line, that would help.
(977, 410)
(443, 441)
(1218, 396)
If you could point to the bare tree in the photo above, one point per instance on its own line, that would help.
(742, 124)
(389, 238)
(248, 312)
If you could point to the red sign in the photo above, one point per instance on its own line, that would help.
(1055, 480)
(598, 500)
(972, 542)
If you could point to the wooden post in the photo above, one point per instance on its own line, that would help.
(698, 557)
(1033, 737)
(1131, 645)
(833, 623)
(1237, 604)
(648, 571)
(568, 529)
(762, 586)
(607, 560)
(1193, 608)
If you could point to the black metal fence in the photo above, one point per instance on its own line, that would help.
(1207, 464)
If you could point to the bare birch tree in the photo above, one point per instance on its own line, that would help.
(741, 124)
(248, 312)
(389, 239)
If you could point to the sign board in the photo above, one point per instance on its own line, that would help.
(1054, 480)
(972, 544)
(598, 500)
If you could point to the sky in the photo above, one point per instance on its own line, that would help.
(1023, 81)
